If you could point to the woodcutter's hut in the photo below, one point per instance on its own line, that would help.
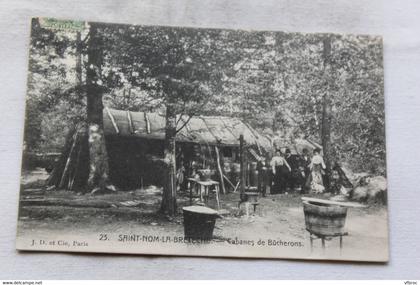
(135, 144)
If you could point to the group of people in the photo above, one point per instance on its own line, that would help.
(301, 172)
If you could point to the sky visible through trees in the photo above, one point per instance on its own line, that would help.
(277, 82)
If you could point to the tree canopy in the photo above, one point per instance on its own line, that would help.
(275, 81)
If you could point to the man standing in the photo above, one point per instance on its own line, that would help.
(306, 161)
(294, 175)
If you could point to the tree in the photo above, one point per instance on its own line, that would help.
(277, 82)
(98, 157)
(170, 63)
(326, 107)
(48, 82)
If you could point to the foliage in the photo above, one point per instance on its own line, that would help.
(274, 81)
(54, 101)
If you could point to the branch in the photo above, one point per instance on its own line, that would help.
(185, 123)
(194, 113)
(183, 109)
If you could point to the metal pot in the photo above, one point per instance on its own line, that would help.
(205, 174)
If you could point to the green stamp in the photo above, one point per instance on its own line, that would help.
(56, 24)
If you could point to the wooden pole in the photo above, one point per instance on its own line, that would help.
(242, 174)
(219, 169)
(259, 176)
(327, 110)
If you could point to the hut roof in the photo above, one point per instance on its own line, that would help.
(213, 130)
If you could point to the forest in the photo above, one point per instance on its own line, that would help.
(324, 87)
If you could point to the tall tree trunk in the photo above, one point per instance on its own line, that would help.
(98, 158)
(326, 108)
(79, 59)
(326, 136)
(168, 205)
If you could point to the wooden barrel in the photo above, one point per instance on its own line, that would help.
(199, 222)
(324, 220)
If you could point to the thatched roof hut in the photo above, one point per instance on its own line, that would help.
(135, 144)
(211, 130)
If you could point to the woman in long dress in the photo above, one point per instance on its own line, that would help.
(317, 168)
(281, 170)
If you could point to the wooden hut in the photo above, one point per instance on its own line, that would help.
(135, 146)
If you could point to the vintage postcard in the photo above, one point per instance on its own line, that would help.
(203, 142)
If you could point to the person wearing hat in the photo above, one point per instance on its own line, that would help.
(305, 165)
(281, 170)
(293, 162)
(317, 168)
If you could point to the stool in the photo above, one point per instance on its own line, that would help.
(313, 236)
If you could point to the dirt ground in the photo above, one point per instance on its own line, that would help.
(277, 217)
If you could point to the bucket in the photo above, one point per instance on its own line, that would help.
(323, 219)
(226, 168)
(199, 222)
(250, 195)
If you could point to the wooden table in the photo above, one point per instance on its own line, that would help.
(204, 188)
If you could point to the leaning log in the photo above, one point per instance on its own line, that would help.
(55, 176)
(228, 181)
(68, 163)
(76, 166)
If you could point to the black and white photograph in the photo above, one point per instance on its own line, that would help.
(168, 140)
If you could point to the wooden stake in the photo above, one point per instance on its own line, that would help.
(112, 120)
(219, 168)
